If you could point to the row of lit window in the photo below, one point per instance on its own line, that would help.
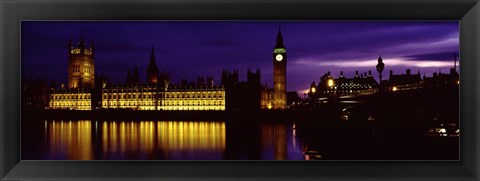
(352, 87)
(70, 96)
(77, 51)
(349, 91)
(168, 103)
(156, 89)
(76, 68)
(62, 104)
(87, 68)
(195, 108)
(182, 108)
(149, 95)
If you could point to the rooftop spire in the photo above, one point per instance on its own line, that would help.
(279, 43)
(152, 56)
(152, 69)
(81, 43)
(81, 32)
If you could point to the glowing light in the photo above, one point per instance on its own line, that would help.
(330, 82)
(71, 140)
(441, 130)
(371, 118)
(170, 101)
(73, 101)
(394, 89)
(313, 89)
(279, 50)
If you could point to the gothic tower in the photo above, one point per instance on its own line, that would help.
(279, 74)
(152, 70)
(81, 65)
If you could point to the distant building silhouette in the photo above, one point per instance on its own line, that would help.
(35, 93)
(254, 88)
(366, 84)
(442, 80)
(292, 99)
(410, 81)
(407, 81)
(133, 78)
(242, 95)
(330, 86)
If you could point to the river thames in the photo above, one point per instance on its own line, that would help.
(230, 140)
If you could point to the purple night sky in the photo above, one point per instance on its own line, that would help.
(189, 49)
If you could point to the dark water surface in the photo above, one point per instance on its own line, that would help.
(229, 140)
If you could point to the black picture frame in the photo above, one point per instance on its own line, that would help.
(12, 12)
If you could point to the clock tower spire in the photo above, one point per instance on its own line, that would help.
(279, 73)
(279, 43)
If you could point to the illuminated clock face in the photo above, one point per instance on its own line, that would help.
(279, 57)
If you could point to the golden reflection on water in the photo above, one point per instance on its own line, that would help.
(274, 137)
(70, 140)
(76, 140)
(148, 138)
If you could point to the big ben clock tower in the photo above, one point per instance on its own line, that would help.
(279, 74)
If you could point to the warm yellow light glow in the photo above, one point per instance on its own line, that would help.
(172, 137)
(77, 51)
(174, 100)
(269, 106)
(74, 101)
(313, 90)
(330, 82)
(71, 139)
(140, 100)
(394, 89)
(275, 136)
(458, 82)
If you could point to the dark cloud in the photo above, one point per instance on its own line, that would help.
(445, 56)
(199, 48)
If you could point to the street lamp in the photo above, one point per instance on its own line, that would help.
(380, 67)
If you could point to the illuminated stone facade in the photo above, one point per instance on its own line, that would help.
(81, 67)
(155, 94)
(145, 97)
(266, 98)
(71, 99)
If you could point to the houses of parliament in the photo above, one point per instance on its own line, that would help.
(87, 91)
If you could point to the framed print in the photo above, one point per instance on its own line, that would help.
(239, 90)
